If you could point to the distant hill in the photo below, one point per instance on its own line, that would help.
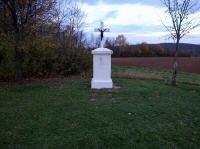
(185, 48)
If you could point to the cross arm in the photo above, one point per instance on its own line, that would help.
(97, 30)
(106, 30)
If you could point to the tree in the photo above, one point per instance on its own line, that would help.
(182, 14)
(160, 50)
(121, 42)
(92, 44)
(41, 37)
(144, 47)
(74, 24)
(110, 43)
(23, 14)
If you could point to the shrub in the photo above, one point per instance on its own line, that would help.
(73, 61)
(44, 57)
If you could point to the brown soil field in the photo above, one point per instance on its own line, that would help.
(185, 64)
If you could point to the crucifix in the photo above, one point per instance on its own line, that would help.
(102, 30)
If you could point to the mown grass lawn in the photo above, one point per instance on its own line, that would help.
(65, 113)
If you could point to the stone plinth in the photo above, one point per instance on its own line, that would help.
(101, 69)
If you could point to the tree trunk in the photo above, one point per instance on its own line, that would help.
(175, 65)
(18, 68)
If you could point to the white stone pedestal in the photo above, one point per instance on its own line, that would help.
(101, 69)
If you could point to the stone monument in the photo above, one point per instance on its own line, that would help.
(102, 64)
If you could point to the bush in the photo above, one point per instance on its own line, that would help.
(44, 57)
(7, 65)
(73, 61)
(39, 58)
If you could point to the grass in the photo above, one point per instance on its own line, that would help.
(65, 113)
(155, 74)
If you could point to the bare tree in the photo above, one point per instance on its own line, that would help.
(74, 23)
(121, 42)
(70, 21)
(110, 43)
(61, 15)
(182, 14)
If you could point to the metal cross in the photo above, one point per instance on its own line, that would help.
(102, 30)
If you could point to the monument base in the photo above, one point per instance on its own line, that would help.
(101, 84)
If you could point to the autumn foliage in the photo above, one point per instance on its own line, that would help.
(121, 48)
(38, 38)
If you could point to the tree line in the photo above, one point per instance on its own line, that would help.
(41, 37)
(121, 48)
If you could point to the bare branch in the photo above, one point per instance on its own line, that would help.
(180, 12)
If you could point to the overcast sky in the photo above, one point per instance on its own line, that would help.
(138, 20)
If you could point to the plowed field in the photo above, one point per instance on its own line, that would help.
(184, 64)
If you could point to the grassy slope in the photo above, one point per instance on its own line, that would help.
(67, 114)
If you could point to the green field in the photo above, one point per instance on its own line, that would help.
(145, 112)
